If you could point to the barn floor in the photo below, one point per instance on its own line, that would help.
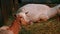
(52, 26)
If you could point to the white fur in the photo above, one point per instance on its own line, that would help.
(36, 12)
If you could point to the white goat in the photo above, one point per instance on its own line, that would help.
(35, 12)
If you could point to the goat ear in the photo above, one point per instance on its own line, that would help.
(26, 13)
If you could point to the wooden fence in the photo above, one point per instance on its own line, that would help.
(7, 8)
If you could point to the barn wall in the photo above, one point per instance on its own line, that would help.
(7, 9)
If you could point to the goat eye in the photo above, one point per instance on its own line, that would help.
(26, 13)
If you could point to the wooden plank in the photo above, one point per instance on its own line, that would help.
(4, 13)
(8, 10)
(8, 7)
(1, 17)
